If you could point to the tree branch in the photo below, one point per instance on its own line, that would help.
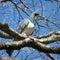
(4, 35)
(36, 43)
(49, 38)
(4, 27)
(8, 58)
(26, 6)
(49, 55)
(46, 39)
(29, 43)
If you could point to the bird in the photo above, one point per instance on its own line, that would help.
(25, 27)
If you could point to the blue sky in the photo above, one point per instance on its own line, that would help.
(9, 14)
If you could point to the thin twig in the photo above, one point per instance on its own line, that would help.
(20, 8)
(26, 6)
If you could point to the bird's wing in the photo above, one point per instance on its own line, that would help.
(22, 25)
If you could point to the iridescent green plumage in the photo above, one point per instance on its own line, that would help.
(22, 25)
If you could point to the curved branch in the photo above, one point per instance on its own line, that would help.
(49, 38)
(46, 39)
(4, 27)
(4, 35)
(50, 21)
(49, 55)
(19, 7)
(30, 43)
(26, 6)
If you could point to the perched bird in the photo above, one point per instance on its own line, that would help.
(26, 27)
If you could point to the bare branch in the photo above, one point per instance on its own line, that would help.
(8, 58)
(26, 6)
(4, 0)
(49, 38)
(30, 43)
(19, 8)
(49, 55)
(4, 27)
(49, 34)
(4, 35)
(45, 19)
(46, 39)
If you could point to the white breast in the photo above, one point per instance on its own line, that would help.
(29, 29)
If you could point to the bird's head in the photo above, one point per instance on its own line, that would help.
(33, 17)
(36, 14)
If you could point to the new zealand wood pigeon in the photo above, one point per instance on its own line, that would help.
(26, 26)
